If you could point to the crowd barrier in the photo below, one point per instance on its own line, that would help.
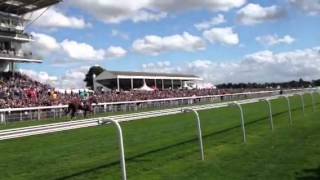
(53, 112)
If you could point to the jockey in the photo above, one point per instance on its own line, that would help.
(84, 96)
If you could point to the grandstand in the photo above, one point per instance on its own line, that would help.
(120, 80)
(12, 31)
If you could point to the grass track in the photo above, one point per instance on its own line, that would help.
(167, 148)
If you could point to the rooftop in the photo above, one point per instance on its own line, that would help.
(125, 74)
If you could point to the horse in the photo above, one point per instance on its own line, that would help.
(76, 105)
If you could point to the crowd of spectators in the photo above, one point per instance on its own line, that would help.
(19, 91)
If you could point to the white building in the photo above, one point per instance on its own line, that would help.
(120, 80)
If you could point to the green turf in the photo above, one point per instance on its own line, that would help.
(167, 148)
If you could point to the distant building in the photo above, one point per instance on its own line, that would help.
(119, 80)
(12, 31)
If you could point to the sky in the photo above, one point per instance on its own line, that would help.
(221, 41)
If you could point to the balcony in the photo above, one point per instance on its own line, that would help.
(11, 28)
(18, 56)
(24, 37)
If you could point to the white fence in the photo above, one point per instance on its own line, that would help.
(53, 112)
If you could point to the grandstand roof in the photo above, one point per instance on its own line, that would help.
(145, 75)
(20, 7)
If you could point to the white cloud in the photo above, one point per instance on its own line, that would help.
(224, 36)
(148, 16)
(271, 40)
(263, 66)
(254, 14)
(45, 45)
(53, 18)
(117, 33)
(311, 7)
(41, 76)
(219, 19)
(116, 11)
(161, 66)
(72, 79)
(115, 52)
(82, 51)
(155, 45)
(185, 5)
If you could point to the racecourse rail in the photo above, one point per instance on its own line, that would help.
(64, 126)
(53, 112)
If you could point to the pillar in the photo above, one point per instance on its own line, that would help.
(118, 84)
(162, 84)
(155, 83)
(131, 83)
(172, 84)
(94, 82)
(181, 84)
(12, 68)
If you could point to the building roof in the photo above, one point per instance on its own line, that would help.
(21, 7)
(146, 75)
(127, 73)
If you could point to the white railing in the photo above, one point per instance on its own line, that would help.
(37, 113)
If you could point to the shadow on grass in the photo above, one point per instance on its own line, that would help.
(309, 174)
(136, 157)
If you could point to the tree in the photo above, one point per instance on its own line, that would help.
(89, 76)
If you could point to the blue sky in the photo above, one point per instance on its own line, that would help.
(149, 35)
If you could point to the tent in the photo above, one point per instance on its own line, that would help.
(145, 88)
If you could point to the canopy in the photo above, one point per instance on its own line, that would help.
(145, 88)
(21, 7)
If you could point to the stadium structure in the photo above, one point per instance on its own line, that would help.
(12, 31)
(121, 80)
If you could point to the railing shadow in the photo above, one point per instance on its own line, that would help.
(309, 174)
(135, 157)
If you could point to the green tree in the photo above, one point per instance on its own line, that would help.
(89, 76)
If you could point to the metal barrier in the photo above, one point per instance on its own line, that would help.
(199, 129)
(289, 109)
(121, 147)
(267, 101)
(302, 102)
(55, 112)
(236, 104)
(313, 101)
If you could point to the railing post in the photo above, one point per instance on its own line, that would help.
(313, 102)
(270, 111)
(3, 120)
(199, 129)
(61, 110)
(39, 115)
(289, 109)
(236, 104)
(302, 103)
(54, 114)
(121, 146)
